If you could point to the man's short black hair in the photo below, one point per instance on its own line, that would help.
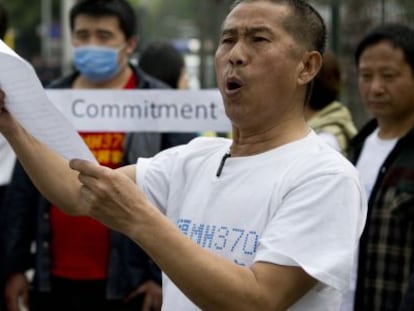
(121, 9)
(399, 35)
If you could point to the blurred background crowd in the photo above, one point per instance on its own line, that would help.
(177, 40)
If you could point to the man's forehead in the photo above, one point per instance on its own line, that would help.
(383, 48)
(260, 14)
(105, 22)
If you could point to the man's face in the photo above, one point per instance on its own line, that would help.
(386, 82)
(257, 65)
(102, 31)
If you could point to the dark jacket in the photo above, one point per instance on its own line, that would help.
(408, 301)
(26, 216)
(387, 258)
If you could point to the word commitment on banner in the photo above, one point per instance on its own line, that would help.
(142, 110)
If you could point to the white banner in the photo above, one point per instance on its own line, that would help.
(142, 110)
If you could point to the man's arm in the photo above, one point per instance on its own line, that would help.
(408, 299)
(17, 287)
(49, 171)
(207, 279)
(17, 223)
(17, 229)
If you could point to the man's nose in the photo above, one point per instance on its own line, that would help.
(238, 54)
(377, 85)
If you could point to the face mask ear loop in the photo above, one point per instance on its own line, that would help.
(124, 45)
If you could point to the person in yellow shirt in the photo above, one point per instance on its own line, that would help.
(325, 114)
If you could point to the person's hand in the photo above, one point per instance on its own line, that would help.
(2, 99)
(17, 287)
(111, 197)
(152, 296)
(7, 122)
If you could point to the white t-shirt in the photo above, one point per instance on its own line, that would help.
(330, 139)
(299, 205)
(7, 160)
(373, 154)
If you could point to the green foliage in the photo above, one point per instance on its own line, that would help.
(20, 16)
(25, 20)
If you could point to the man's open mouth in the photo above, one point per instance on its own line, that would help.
(233, 86)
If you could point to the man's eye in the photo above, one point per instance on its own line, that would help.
(259, 39)
(81, 36)
(226, 40)
(365, 76)
(104, 37)
(389, 76)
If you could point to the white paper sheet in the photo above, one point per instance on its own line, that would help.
(27, 101)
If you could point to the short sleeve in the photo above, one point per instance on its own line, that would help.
(154, 174)
(317, 227)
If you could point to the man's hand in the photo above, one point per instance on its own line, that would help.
(17, 286)
(111, 196)
(152, 296)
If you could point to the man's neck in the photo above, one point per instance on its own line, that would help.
(117, 82)
(309, 113)
(389, 129)
(245, 144)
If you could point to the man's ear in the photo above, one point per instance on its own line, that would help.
(131, 45)
(309, 67)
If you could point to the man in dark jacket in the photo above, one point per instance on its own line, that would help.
(383, 152)
(79, 264)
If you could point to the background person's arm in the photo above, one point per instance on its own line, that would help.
(16, 291)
